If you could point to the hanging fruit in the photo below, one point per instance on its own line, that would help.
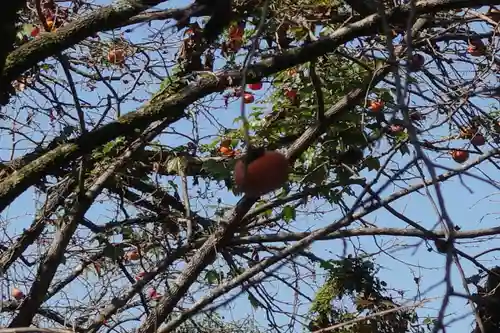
(255, 86)
(459, 156)
(478, 140)
(416, 63)
(248, 98)
(476, 48)
(266, 172)
(116, 56)
(377, 106)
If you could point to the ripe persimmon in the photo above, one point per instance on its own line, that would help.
(248, 98)
(255, 86)
(376, 106)
(478, 140)
(17, 294)
(236, 31)
(226, 151)
(476, 48)
(291, 94)
(116, 56)
(459, 156)
(132, 255)
(266, 171)
(35, 31)
(416, 62)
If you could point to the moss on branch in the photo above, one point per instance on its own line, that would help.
(170, 108)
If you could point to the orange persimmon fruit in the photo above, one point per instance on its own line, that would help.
(264, 174)
(376, 106)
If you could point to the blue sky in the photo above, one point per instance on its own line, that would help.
(470, 207)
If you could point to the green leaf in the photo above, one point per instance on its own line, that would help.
(372, 163)
(404, 149)
(101, 239)
(176, 165)
(386, 96)
(27, 28)
(401, 136)
(255, 303)
(289, 213)
(108, 147)
(212, 277)
(412, 79)
(318, 176)
(327, 265)
(46, 67)
(216, 169)
(113, 252)
(127, 233)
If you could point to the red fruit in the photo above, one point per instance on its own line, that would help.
(152, 293)
(255, 86)
(376, 106)
(416, 62)
(416, 116)
(116, 56)
(476, 48)
(226, 151)
(132, 255)
(478, 43)
(248, 98)
(236, 31)
(291, 93)
(35, 31)
(263, 175)
(474, 51)
(478, 140)
(395, 129)
(17, 294)
(460, 156)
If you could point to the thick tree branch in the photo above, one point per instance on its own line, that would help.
(69, 223)
(302, 243)
(296, 236)
(206, 253)
(216, 241)
(171, 108)
(49, 44)
(38, 226)
(8, 19)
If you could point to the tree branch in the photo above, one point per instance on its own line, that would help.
(171, 108)
(49, 44)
